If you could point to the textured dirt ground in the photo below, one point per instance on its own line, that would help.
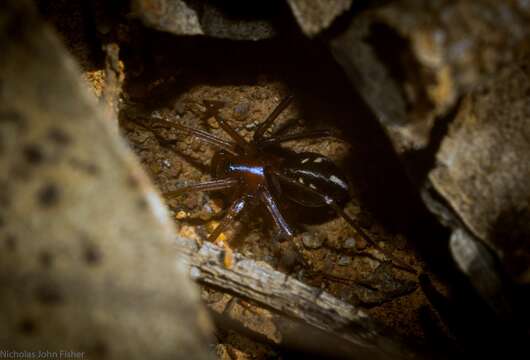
(171, 78)
(328, 254)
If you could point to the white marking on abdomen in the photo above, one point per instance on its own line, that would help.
(338, 181)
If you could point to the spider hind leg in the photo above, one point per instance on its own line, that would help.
(338, 209)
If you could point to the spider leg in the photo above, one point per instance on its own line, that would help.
(300, 135)
(270, 203)
(232, 133)
(201, 134)
(211, 185)
(265, 125)
(235, 209)
(333, 204)
(397, 262)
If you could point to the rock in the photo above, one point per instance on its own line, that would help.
(180, 17)
(476, 261)
(483, 166)
(313, 16)
(411, 61)
(312, 240)
(344, 261)
(360, 243)
(349, 243)
(218, 23)
(87, 260)
(241, 111)
(174, 16)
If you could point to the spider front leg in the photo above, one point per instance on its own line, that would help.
(212, 185)
(270, 203)
(235, 210)
(233, 134)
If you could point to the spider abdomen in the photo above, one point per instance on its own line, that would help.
(318, 173)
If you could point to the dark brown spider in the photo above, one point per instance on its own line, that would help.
(263, 172)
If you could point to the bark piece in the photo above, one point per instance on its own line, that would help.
(281, 293)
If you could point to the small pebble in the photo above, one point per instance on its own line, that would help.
(181, 215)
(361, 244)
(212, 123)
(344, 261)
(156, 114)
(179, 107)
(312, 241)
(166, 163)
(288, 260)
(155, 168)
(300, 275)
(210, 297)
(241, 111)
(349, 243)
(196, 146)
(195, 273)
(191, 201)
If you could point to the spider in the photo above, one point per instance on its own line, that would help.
(263, 172)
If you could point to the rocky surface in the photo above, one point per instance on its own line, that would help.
(314, 16)
(232, 21)
(483, 165)
(412, 60)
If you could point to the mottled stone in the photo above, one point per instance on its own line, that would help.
(349, 243)
(476, 261)
(411, 60)
(82, 266)
(344, 261)
(312, 240)
(313, 16)
(483, 166)
(174, 16)
(185, 17)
